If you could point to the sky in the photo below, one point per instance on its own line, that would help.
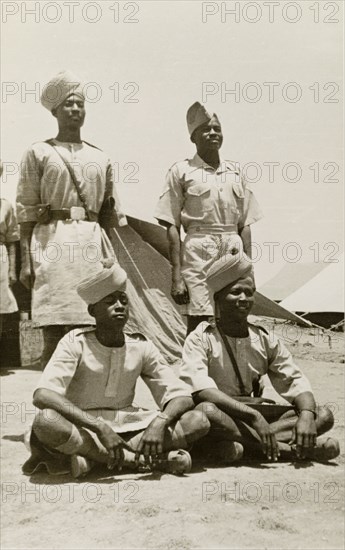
(272, 71)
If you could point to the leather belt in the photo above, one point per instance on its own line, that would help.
(211, 230)
(73, 213)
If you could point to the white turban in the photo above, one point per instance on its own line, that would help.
(196, 116)
(102, 282)
(59, 88)
(228, 269)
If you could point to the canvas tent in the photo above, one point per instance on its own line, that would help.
(322, 298)
(289, 279)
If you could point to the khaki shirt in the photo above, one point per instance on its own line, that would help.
(195, 194)
(206, 363)
(93, 376)
(45, 179)
(64, 251)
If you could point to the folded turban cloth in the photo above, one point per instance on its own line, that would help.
(196, 116)
(59, 88)
(102, 282)
(228, 269)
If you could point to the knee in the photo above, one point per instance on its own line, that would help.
(209, 410)
(46, 424)
(325, 419)
(198, 422)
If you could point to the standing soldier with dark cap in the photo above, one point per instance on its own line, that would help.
(65, 184)
(209, 197)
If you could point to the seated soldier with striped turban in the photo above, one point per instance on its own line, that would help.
(223, 363)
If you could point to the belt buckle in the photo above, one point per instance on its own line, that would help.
(77, 213)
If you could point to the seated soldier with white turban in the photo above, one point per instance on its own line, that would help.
(86, 395)
(66, 186)
(223, 363)
(210, 198)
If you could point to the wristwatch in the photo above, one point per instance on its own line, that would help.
(310, 410)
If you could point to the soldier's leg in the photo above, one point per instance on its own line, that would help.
(58, 433)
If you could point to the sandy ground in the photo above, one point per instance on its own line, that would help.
(252, 505)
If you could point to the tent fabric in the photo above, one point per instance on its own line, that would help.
(289, 279)
(153, 234)
(323, 293)
(267, 308)
(151, 312)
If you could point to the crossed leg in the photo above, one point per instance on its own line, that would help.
(57, 433)
(225, 428)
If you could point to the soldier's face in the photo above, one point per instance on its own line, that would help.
(111, 309)
(71, 112)
(237, 299)
(208, 137)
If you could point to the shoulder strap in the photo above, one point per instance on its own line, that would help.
(92, 145)
(232, 359)
(81, 195)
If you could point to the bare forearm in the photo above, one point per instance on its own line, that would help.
(305, 401)
(246, 236)
(11, 252)
(177, 407)
(174, 251)
(227, 404)
(26, 230)
(48, 399)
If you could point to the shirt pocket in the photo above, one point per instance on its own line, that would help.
(237, 205)
(198, 200)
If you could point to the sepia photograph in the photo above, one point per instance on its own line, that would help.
(172, 275)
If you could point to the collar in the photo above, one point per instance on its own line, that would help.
(224, 165)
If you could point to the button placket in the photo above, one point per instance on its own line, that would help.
(241, 356)
(116, 362)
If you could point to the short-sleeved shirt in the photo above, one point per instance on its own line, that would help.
(63, 251)
(96, 377)
(196, 194)
(45, 179)
(206, 363)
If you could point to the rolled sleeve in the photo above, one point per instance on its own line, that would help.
(194, 369)
(285, 376)
(160, 378)
(171, 200)
(251, 211)
(28, 191)
(61, 367)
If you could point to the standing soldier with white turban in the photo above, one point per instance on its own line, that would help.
(64, 185)
(209, 197)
